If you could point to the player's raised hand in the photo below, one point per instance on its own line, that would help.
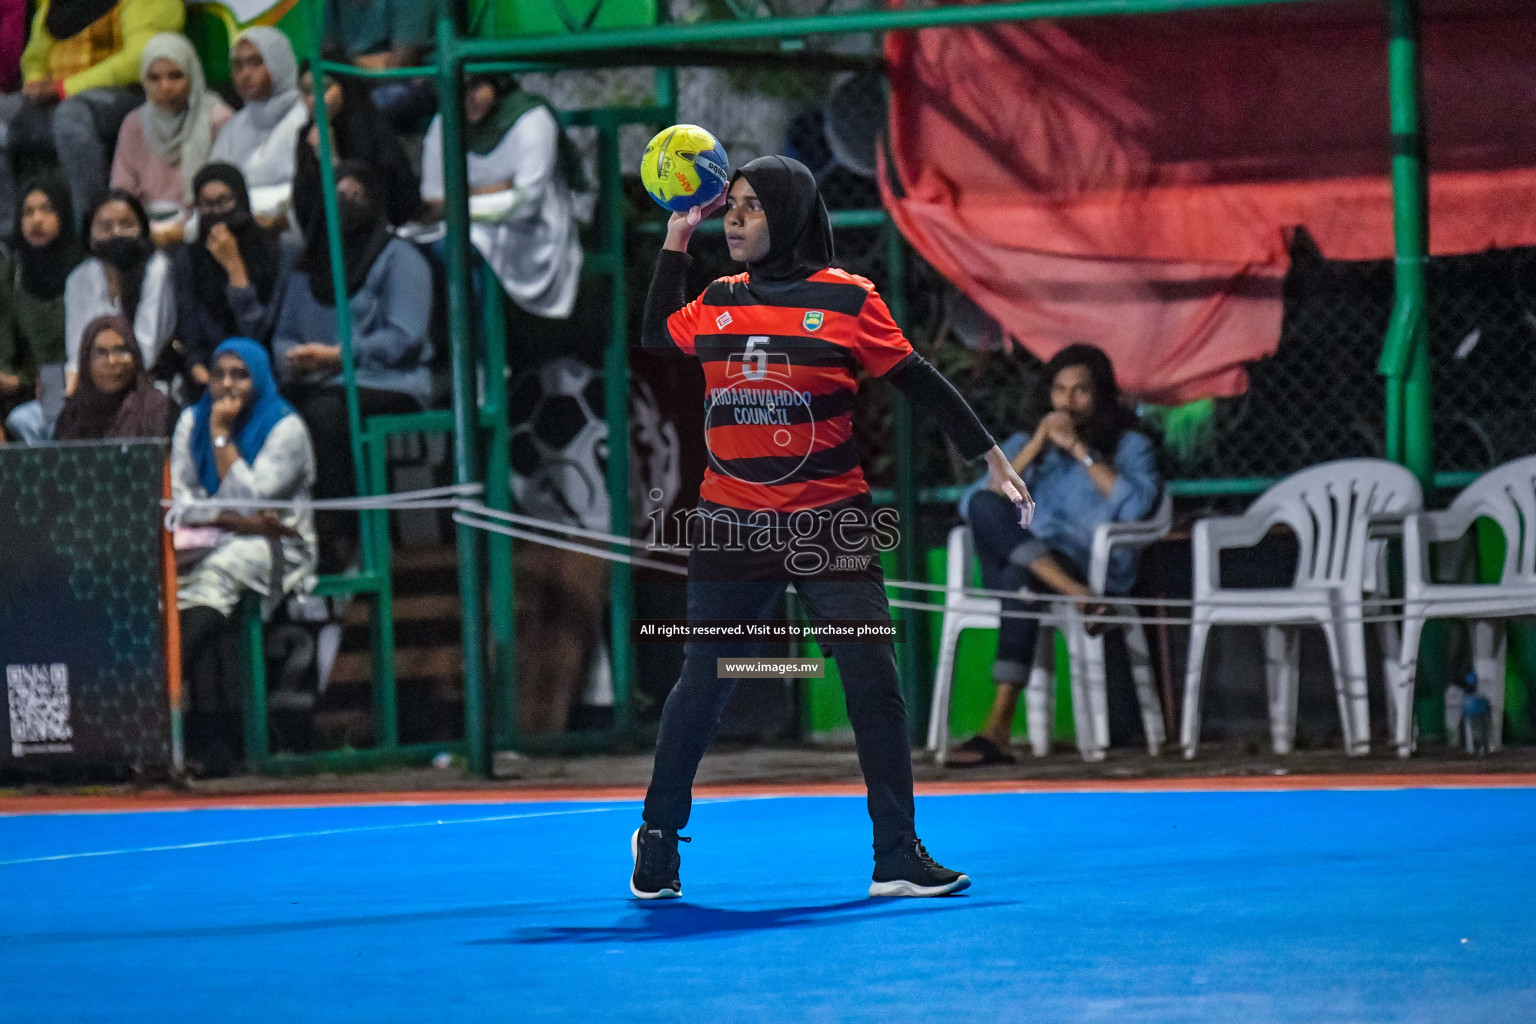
(680, 225)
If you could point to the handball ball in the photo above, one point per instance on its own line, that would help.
(684, 166)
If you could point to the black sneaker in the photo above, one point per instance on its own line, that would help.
(656, 863)
(907, 870)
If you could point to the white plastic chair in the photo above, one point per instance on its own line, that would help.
(1089, 704)
(1507, 495)
(1331, 508)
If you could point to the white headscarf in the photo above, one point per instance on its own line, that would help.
(277, 53)
(182, 139)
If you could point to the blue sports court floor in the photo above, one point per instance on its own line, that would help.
(1189, 906)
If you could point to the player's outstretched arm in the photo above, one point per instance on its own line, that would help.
(929, 390)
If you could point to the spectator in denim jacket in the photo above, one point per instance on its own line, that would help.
(1085, 465)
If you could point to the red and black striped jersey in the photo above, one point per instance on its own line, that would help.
(780, 367)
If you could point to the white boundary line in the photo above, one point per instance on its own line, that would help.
(299, 835)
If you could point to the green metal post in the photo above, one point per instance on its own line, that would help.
(1410, 210)
(338, 259)
(913, 678)
(373, 528)
(257, 744)
(381, 628)
(498, 495)
(1405, 357)
(666, 92)
(616, 409)
(450, 97)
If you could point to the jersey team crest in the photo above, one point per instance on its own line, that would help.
(813, 319)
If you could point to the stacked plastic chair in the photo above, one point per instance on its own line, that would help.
(1506, 495)
(1332, 509)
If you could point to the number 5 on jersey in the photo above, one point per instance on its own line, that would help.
(754, 361)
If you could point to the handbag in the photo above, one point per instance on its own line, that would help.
(194, 543)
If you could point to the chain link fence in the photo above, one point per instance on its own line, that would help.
(1319, 397)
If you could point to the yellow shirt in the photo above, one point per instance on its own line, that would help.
(106, 53)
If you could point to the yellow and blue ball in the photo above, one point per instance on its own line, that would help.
(684, 166)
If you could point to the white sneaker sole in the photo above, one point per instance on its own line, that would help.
(905, 888)
(664, 894)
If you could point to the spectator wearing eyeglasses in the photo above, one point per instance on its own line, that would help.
(228, 282)
(123, 276)
(240, 441)
(115, 397)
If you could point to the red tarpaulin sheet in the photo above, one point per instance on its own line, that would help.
(1130, 181)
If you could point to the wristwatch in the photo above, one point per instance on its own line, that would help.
(220, 440)
(1087, 458)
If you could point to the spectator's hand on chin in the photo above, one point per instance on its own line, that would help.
(1059, 429)
(223, 414)
(222, 246)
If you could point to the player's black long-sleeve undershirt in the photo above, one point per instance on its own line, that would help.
(914, 376)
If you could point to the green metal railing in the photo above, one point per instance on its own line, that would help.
(1404, 360)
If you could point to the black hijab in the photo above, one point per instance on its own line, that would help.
(799, 230)
(129, 256)
(258, 248)
(364, 234)
(358, 132)
(44, 269)
(68, 18)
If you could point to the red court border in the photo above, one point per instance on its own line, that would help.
(166, 800)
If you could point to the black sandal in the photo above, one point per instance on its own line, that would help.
(990, 753)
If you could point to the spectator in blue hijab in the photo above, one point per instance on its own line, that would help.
(240, 441)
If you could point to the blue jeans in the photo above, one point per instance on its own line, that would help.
(1006, 550)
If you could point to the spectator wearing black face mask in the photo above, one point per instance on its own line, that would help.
(124, 276)
(388, 287)
(229, 281)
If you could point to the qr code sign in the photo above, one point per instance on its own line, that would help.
(39, 704)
